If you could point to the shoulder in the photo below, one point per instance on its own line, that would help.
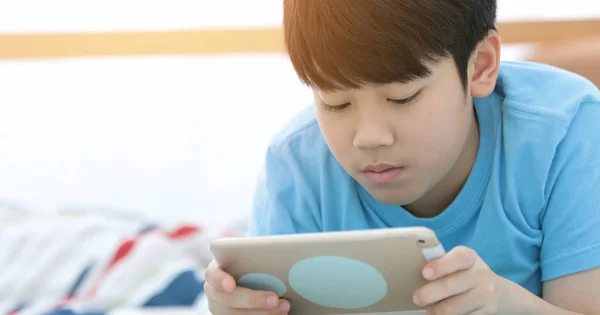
(297, 153)
(287, 198)
(538, 91)
(547, 116)
(540, 105)
(299, 138)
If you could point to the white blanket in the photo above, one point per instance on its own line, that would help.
(59, 263)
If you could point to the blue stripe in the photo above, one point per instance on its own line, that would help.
(71, 312)
(184, 290)
(80, 279)
(147, 229)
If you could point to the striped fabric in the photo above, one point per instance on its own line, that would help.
(82, 264)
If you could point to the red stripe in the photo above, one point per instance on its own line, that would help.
(122, 252)
(126, 248)
(183, 231)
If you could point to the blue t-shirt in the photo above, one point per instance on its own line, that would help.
(530, 206)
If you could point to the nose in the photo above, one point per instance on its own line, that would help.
(372, 133)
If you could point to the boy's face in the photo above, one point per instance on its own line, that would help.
(406, 141)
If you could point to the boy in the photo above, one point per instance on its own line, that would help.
(417, 123)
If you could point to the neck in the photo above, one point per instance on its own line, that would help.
(438, 199)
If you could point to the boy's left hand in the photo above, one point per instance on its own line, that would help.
(460, 283)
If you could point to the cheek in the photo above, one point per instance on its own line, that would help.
(337, 135)
(444, 128)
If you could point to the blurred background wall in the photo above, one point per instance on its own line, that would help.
(171, 136)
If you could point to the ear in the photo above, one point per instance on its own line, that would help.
(484, 65)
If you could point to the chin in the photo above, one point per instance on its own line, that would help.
(393, 196)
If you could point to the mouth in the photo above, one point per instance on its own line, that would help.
(381, 174)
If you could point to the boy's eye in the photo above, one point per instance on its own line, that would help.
(334, 108)
(406, 101)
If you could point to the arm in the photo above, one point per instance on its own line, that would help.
(570, 252)
(462, 283)
(582, 294)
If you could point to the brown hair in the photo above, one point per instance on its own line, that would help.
(347, 43)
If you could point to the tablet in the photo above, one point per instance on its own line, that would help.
(348, 272)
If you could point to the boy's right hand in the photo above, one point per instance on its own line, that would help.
(226, 298)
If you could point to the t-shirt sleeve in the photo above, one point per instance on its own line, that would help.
(571, 220)
(283, 202)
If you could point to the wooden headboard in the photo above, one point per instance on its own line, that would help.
(202, 42)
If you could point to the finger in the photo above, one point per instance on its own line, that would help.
(446, 287)
(248, 299)
(219, 309)
(459, 258)
(219, 279)
(461, 304)
(244, 298)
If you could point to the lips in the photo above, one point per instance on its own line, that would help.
(379, 168)
(382, 173)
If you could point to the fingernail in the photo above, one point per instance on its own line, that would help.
(224, 284)
(416, 299)
(272, 301)
(284, 306)
(428, 273)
